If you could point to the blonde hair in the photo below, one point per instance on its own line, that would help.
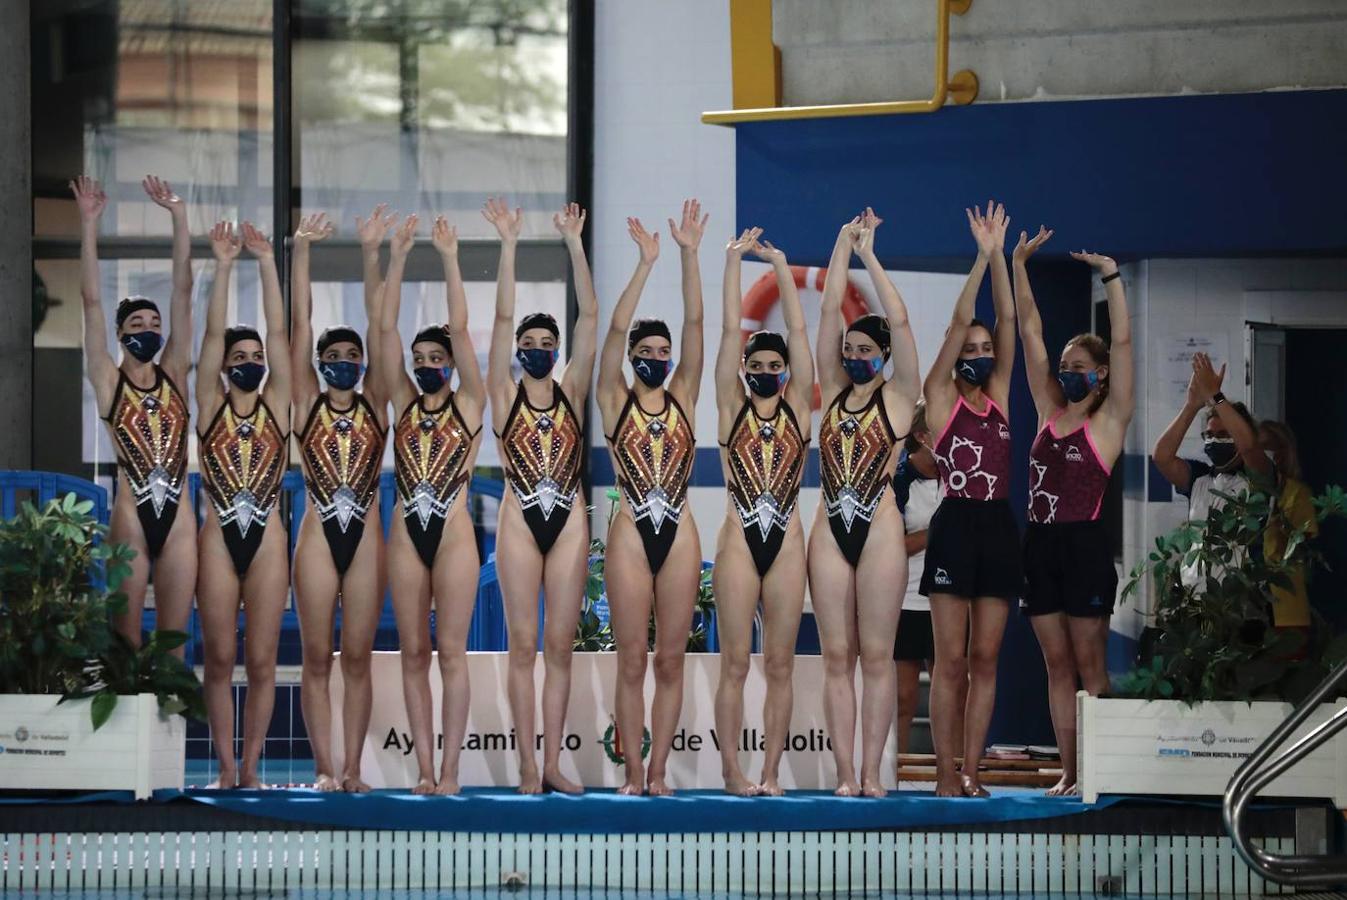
(1284, 452)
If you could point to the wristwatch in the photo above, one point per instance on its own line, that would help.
(1216, 399)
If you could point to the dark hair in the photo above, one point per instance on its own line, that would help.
(434, 334)
(1285, 454)
(339, 334)
(537, 320)
(644, 328)
(235, 333)
(910, 443)
(132, 305)
(765, 340)
(1097, 347)
(978, 323)
(1239, 407)
(876, 328)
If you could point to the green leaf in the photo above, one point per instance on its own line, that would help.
(100, 710)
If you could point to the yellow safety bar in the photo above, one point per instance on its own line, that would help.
(756, 66)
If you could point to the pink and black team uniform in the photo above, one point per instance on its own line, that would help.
(1068, 563)
(973, 544)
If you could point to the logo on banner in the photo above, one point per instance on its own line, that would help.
(612, 744)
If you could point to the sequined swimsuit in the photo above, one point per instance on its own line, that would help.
(766, 463)
(430, 457)
(342, 451)
(149, 428)
(243, 459)
(653, 453)
(854, 450)
(542, 451)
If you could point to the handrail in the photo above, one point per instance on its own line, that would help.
(1262, 768)
(961, 87)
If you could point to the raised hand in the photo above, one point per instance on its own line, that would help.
(688, 232)
(647, 242)
(989, 228)
(161, 193)
(570, 221)
(1027, 246)
(1102, 264)
(224, 243)
(765, 251)
(744, 243)
(89, 197)
(258, 244)
(404, 236)
(444, 236)
(1206, 381)
(314, 228)
(508, 223)
(373, 229)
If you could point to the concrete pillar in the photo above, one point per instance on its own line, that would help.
(16, 241)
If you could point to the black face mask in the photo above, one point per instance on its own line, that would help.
(143, 345)
(1221, 451)
(765, 384)
(247, 376)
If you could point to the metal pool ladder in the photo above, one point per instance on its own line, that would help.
(1262, 768)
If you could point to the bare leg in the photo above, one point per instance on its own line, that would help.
(564, 574)
(989, 625)
(675, 599)
(175, 575)
(949, 682)
(832, 585)
(880, 581)
(1089, 650)
(316, 585)
(124, 528)
(631, 591)
(1055, 641)
(265, 588)
(908, 675)
(362, 597)
(218, 602)
(455, 597)
(409, 580)
(520, 569)
(737, 586)
(782, 605)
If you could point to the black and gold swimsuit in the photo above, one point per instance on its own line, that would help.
(149, 428)
(243, 459)
(430, 458)
(766, 463)
(342, 450)
(654, 453)
(542, 448)
(854, 450)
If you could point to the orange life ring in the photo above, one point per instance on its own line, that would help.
(764, 294)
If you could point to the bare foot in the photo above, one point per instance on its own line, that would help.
(847, 789)
(770, 787)
(529, 782)
(226, 781)
(553, 780)
(1064, 788)
(326, 783)
(873, 788)
(657, 787)
(632, 790)
(740, 786)
(948, 786)
(352, 784)
(971, 787)
(252, 782)
(447, 787)
(423, 786)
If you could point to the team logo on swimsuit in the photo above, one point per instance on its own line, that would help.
(942, 578)
(1002, 431)
(612, 744)
(1073, 454)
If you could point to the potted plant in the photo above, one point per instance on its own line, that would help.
(1214, 677)
(59, 581)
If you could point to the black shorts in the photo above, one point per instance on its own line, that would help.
(916, 639)
(1068, 568)
(973, 550)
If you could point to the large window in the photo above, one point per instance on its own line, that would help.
(429, 105)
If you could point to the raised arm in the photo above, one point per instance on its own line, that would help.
(1043, 386)
(906, 380)
(1242, 433)
(396, 386)
(1120, 402)
(1165, 454)
(500, 384)
(687, 376)
(225, 245)
(177, 356)
(832, 377)
(1003, 302)
(471, 388)
(939, 388)
(612, 386)
(579, 369)
(729, 390)
(800, 388)
(372, 232)
(102, 368)
(277, 389)
(304, 387)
